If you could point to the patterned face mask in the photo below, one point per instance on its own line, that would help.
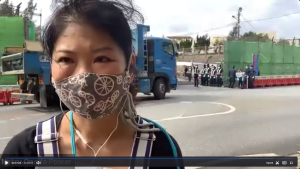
(93, 96)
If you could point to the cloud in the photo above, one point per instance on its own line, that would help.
(190, 17)
(173, 17)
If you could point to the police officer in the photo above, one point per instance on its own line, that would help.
(246, 77)
(202, 74)
(196, 69)
(185, 71)
(251, 77)
(207, 74)
(213, 76)
(232, 76)
(196, 77)
(219, 76)
(189, 73)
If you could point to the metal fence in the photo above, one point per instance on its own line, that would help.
(201, 54)
(274, 58)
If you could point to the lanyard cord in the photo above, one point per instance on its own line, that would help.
(72, 128)
(73, 145)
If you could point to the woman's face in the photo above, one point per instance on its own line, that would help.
(82, 49)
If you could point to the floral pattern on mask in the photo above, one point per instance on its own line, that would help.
(93, 96)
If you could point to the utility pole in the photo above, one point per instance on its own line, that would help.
(239, 21)
(238, 18)
(18, 9)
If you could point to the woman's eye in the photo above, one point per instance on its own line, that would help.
(102, 59)
(65, 60)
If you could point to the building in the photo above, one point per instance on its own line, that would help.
(179, 39)
(271, 34)
(213, 39)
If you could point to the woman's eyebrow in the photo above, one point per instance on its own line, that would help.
(64, 51)
(101, 49)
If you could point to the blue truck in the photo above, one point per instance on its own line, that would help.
(155, 63)
(155, 68)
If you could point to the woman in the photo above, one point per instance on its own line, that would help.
(240, 79)
(90, 44)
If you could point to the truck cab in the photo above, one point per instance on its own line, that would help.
(155, 63)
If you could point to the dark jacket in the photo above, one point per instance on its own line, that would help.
(232, 73)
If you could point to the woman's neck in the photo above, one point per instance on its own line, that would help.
(99, 129)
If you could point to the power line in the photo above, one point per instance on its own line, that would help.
(247, 21)
(257, 20)
(211, 29)
(275, 17)
(221, 27)
(234, 23)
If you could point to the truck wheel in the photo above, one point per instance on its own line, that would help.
(159, 91)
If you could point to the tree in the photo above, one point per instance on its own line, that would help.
(38, 31)
(254, 37)
(28, 14)
(218, 42)
(30, 9)
(202, 41)
(185, 44)
(283, 42)
(218, 45)
(7, 9)
(233, 34)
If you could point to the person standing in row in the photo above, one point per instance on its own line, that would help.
(219, 76)
(185, 71)
(189, 73)
(196, 77)
(232, 76)
(245, 80)
(202, 74)
(251, 77)
(239, 76)
(213, 76)
(207, 74)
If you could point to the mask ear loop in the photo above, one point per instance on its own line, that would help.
(130, 112)
(72, 127)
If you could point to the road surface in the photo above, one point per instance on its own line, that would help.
(206, 121)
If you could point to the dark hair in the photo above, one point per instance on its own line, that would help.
(112, 16)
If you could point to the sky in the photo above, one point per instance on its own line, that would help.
(192, 17)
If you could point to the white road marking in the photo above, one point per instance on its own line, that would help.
(231, 110)
(5, 138)
(260, 155)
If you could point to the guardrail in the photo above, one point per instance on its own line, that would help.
(8, 95)
(9, 87)
(276, 80)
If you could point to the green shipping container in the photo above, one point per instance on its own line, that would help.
(11, 32)
(32, 31)
(8, 79)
